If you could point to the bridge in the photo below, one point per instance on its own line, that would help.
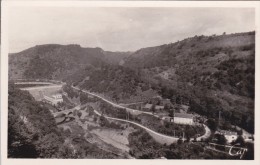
(66, 112)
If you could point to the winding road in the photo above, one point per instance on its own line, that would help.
(133, 111)
(161, 138)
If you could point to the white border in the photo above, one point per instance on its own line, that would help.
(4, 76)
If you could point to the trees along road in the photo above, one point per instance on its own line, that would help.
(161, 138)
(133, 111)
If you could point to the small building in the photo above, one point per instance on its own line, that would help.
(185, 108)
(148, 107)
(229, 135)
(156, 99)
(159, 107)
(53, 99)
(167, 102)
(167, 118)
(183, 118)
(65, 93)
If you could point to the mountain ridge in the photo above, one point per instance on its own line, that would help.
(215, 73)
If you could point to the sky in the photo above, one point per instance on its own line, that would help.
(120, 29)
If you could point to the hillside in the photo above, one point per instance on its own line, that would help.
(58, 61)
(214, 73)
(32, 131)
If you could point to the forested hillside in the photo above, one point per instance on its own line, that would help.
(32, 131)
(214, 73)
(58, 61)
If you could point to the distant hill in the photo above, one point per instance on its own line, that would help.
(54, 61)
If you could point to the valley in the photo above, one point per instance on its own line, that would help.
(103, 104)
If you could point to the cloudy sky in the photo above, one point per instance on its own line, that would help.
(120, 29)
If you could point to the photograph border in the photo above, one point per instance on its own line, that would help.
(7, 5)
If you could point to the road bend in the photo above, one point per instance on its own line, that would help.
(160, 138)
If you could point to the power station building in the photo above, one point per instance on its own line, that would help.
(183, 118)
(53, 99)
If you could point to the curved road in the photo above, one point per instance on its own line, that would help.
(135, 111)
(206, 134)
(161, 138)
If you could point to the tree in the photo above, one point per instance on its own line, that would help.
(83, 98)
(171, 113)
(179, 141)
(103, 121)
(153, 108)
(19, 146)
(79, 114)
(221, 139)
(212, 124)
(240, 140)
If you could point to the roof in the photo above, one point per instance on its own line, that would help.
(183, 115)
(159, 107)
(52, 95)
(166, 101)
(158, 97)
(148, 106)
(185, 107)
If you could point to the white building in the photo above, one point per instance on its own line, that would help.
(65, 93)
(53, 99)
(229, 135)
(159, 107)
(183, 118)
(148, 107)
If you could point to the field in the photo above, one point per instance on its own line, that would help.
(117, 138)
